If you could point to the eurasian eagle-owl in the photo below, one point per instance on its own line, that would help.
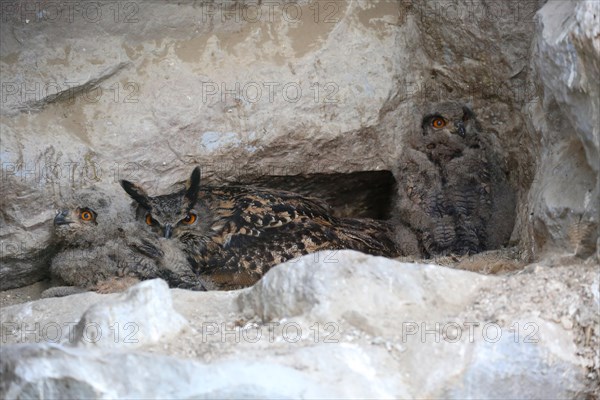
(235, 234)
(452, 186)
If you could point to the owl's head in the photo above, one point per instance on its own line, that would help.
(447, 130)
(83, 219)
(168, 215)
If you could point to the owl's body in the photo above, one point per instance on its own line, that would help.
(237, 233)
(254, 229)
(453, 191)
(101, 248)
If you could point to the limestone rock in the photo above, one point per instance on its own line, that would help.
(281, 89)
(568, 45)
(266, 95)
(87, 93)
(83, 373)
(563, 200)
(364, 296)
(141, 315)
(365, 326)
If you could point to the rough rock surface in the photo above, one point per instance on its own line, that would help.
(149, 301)
(343, 325)
(295, 88)
(563, 200)
(144, 90)
(89, 98)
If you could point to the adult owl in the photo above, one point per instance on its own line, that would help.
(235, 234)
(453, 190)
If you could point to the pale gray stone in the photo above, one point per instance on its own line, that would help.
(363, 327)
(336, 95)
(141, 315)
(563, 200)
(331, 284)
(142, 95)
(83, 373)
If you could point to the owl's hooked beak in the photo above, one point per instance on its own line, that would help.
(168, 231)
(61, 218)
(460, 128)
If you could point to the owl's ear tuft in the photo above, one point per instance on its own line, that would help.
(137, 193)
(192, 187)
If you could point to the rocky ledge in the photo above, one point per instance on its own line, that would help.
(325, 326)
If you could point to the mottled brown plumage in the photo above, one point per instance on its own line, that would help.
(453, 190)
(235, 234)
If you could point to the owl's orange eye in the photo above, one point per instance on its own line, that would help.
(190, 219)
(149, 219)
(87, 215)
(438, 122)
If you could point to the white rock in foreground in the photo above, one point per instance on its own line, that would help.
(143, 314)
(79, 374)
(366, 291)
(401, 331)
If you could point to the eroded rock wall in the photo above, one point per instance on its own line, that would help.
(564, 200)
(103, 92)
(147, 92)
(149, 101)
(108, 91)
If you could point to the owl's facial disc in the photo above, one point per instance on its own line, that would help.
(167, 228)
(77, 226)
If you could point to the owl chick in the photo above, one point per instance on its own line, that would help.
(235, 234)
(452, 188)
(103, 249)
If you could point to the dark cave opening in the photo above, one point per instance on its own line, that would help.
(363, 194)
